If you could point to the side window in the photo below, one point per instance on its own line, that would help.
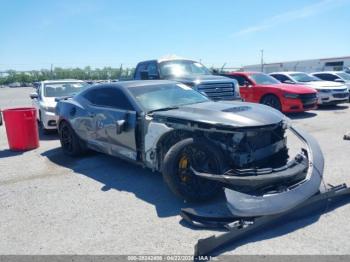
(108, 97)
(140, 67)
(152, 70)
(327, 77)
(281, 78)
(321, 76)
(241, 80)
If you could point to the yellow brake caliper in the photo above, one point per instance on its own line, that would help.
(183, 164)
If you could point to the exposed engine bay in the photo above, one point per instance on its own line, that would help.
(255, 147)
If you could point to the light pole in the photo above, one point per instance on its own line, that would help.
(262, 60)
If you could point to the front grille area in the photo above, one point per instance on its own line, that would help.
(309, 106)
(341, 95)
(218, 91)
(308, 99)
(340, 90)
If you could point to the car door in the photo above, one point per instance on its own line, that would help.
(240, 81)
(114, 122)
(249, 89)
(245, 87)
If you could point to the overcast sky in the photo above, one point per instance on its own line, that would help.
(36, 33)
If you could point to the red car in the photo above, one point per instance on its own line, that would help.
(261, 88)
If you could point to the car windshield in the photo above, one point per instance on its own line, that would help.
(64, 89)
(302, 77)
(263, 79)
(344, 76)
(157, 97)
(180, 68)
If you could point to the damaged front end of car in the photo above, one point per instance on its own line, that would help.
(271, 183)
(259, 175)
(272, 170)
(259, 197)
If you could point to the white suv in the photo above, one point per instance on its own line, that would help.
(44, 99)
(328, 92)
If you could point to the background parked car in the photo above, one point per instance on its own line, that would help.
(191, 73)
(15, 84)
(334, 76)
(44, 99)
(261, 88)
(328, 92)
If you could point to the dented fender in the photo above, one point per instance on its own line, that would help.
(155, 131)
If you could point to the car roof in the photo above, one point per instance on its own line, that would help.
(137, 83)
(62, 81)
(165, 59)
(288, 73)
(328, 72)
(174, 59)
(245, 73)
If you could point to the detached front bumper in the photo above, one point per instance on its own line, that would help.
(296, 182)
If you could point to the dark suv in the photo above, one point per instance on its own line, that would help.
(190, 73)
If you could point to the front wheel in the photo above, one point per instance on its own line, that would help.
(273, 101)
(200, 155)
(70, 142)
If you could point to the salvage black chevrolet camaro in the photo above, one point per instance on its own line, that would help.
(198, 145)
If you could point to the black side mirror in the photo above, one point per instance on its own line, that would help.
(34, 95)
(0, 118)
(215, 72)
(120, 126)
(144, 75)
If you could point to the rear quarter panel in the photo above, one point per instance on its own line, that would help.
(75, 113)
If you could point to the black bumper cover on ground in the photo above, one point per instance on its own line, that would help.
(240, 227)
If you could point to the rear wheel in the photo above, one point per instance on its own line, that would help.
(201, 156)
(273, 101)
(71, 144)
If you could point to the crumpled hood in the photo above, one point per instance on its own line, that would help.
(325, 85)
(226, 113)
(197, 79)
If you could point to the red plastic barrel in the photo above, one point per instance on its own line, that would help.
(21, 128)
